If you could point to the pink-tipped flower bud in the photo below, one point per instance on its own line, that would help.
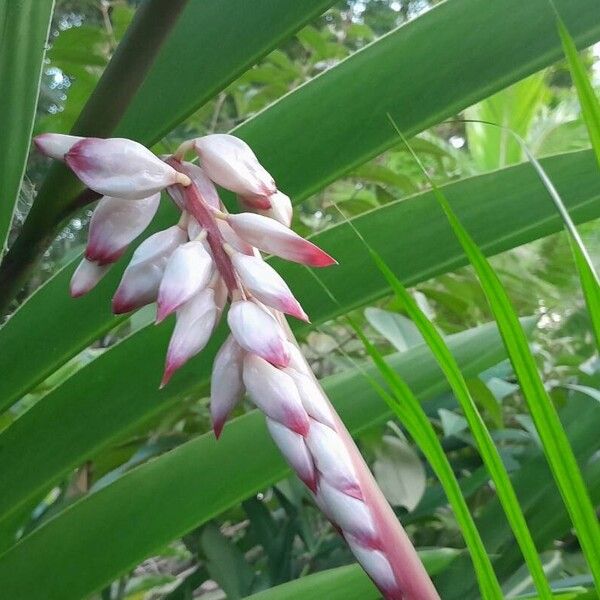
(377, 567)
(350, 514)
(226, 384)
(332, 459)
(121, 168)
(275, 394)
(265, 284)
(230, 162)
(189, 269)
(195, 324)
(311, 395)
(233, 239)
(281, 209)
(271, 236)
(205, 186)
(141, 279)
(293, 447)
(55, 145)
(115, 224)
(86, 276)
(258, 332)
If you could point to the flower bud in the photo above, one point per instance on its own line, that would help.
(188, 270)
(115, 224)
(195, 323)
(350, 514)
(265, 284)
(377, 567)
(275, 394)
(271, 236)
(293, 447)
(121, 168)
(55, 145)
(257, 331)
(332, 459)
(281, 209)
(226, 385)
(253, 203)
(141, 279)
(312, 397)
(86, 276)
(230, 162)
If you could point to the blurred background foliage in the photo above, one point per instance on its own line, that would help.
(277, 535)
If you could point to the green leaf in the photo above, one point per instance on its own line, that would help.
(590, 107)
(556, 445)
(543, 507)
(166, 497)
(349, 582)
(503, 209)
(24, 29)
(397, 329)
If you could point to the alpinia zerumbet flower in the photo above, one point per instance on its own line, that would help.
(193, 269)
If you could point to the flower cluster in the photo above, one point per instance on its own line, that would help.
(211, 257)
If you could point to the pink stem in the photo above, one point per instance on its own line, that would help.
(196, 205)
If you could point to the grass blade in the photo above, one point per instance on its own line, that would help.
(557, 448)
(590, 107)
(488, 451)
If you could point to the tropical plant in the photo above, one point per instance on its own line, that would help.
(113, 484)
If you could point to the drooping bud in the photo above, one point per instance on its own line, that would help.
(226, 385)
(281, 209)
(205, 186)
(121, 168)
(141, 279)
(55, 145)
(257, 331)
(265, 284)
(275, 394)
(332, 459)
(188, 270)
(271, 236)
(195, 323)
(115, 224)
(293, 447)
(230, 162)
(86, 276)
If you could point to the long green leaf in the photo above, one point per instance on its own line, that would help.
(489, 453)
(503, 209)
(349, 582)
(515, 216)
(74, 553)
(590, 284)
(543, 412)
(407, 407)
(23, 33)
(590, 107)
(49, 435)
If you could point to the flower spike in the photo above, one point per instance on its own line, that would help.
(193, 269)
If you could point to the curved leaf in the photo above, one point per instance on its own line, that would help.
(24, 29)
(503, 209)
(166, 497)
